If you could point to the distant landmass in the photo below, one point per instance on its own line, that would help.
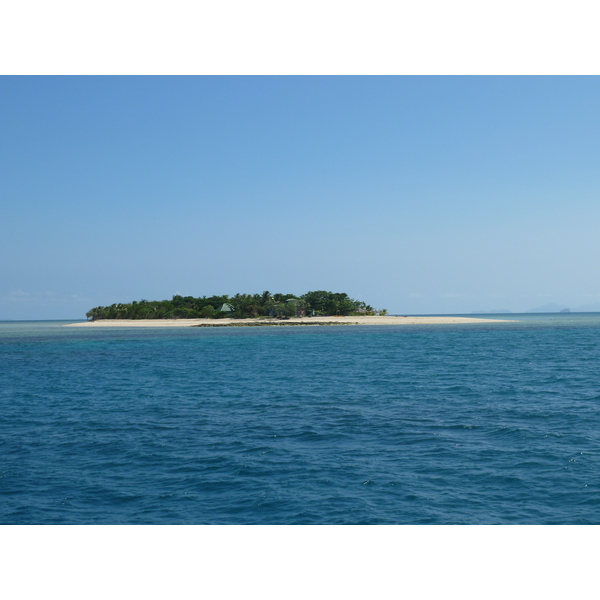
(548, 308)
(561, 308)
(551, 307)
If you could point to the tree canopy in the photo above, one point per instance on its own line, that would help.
(242, 306)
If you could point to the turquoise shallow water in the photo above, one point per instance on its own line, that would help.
(486, 423)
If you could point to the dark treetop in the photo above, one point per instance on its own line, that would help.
(240, 306)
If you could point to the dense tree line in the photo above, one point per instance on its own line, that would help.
(240, 306)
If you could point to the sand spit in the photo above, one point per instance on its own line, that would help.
(288, 322)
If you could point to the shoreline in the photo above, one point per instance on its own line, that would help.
(296, 321)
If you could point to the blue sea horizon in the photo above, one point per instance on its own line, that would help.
(490, 423)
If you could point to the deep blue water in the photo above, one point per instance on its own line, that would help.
(486, 423)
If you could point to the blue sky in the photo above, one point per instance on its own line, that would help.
(417, 194)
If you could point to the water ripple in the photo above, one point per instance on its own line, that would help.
(376, 425)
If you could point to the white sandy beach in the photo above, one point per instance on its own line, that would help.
(387, 320)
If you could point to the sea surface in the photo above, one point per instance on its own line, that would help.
(493, 423)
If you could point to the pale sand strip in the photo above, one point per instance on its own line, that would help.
(294, 321)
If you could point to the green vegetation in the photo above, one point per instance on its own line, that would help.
(240, 306)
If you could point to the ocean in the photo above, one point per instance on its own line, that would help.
(495, 423)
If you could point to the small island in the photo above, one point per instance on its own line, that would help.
(255, 310)
(241, 306)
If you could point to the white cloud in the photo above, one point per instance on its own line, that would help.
(26, 298)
